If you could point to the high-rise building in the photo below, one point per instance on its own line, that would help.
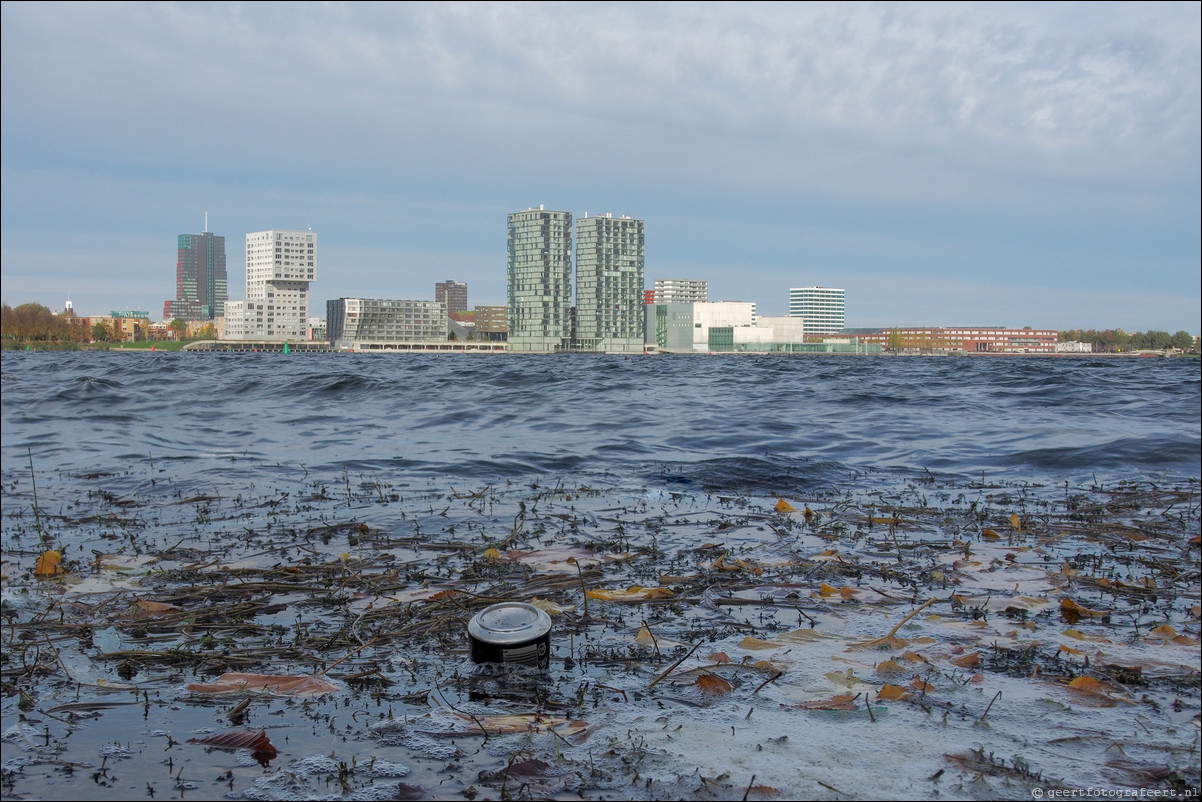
(453, 294)
(822, 308)
(200, 279)
(280, 265)
(681, 291)
(539, 286)
(609, 284)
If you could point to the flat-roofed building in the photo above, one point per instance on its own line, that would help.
(539, 280)
(822, 308)
(685, 328)
(970, 339)
(280, 266)
(453, 294)
(680, 291)
(353, 321)
(609, 284)
(492, 323)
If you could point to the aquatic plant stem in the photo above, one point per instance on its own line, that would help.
(672, 667)
(37, 519)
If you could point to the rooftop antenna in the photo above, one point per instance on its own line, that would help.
(206, 223)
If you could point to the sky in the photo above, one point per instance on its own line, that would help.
(947, 164)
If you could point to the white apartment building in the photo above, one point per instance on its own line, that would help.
(280, 265)
(681, 291)
(822, 308)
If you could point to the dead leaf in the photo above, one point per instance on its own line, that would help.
(148, 607)
(783, 506)
(258, 743)
(890, 667)
(989, 534)
(712, 684)
(894, 693)
(513, 724)
(842, 701)
(719, 657)
(1015, 522)
(279, 685)
(1072, 612)
(1092, 691)
(970, 660)
(634, 593)
(49, 564)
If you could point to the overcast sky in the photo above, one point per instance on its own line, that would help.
(947, 164)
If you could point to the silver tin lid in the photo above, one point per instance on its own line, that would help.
(509, 622)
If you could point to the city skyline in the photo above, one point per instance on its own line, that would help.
(954, 164)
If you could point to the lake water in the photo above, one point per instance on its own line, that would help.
(750, 424)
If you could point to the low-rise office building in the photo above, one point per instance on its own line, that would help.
(353, 321)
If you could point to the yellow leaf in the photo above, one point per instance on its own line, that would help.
(890, 667)
(989, 534)
(783, 506)
(827, 590)
(1164, 631)
(808, 513)
(49, 564)
(1015, 522)
(492, 554)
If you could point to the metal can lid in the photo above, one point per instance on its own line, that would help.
(509, 622)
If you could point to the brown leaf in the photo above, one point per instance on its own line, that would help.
(281, 685)
(970, 660)
(633, 594)
(712, 683)
(893, 693)
(148, 607)
(783, 506)
(989, 534)
(1072, 612)
(719, 657)
(513, 724)
(841, 701)
(257, 742)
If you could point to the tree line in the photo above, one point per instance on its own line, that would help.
(35, 323)
(1117, 340)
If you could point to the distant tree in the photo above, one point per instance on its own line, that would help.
(33, 322)
(179, 326)
(206, 332)
(1183, 340)
(452, 337)
(100, 332)
(895, 338)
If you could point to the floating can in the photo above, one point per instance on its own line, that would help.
(511, 632)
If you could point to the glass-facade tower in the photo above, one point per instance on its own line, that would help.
(609, 284)
(539, 287)
(200, 278)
